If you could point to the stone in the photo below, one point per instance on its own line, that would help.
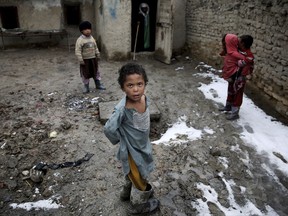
(53, 134)
(25, 173)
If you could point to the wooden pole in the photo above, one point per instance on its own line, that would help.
(138, 23)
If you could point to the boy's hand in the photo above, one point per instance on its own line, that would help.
(249, 77)
(241, 63)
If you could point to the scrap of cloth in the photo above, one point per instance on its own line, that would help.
(44, 166)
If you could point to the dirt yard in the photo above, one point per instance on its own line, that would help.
(41, 92)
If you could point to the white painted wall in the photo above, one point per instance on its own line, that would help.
(113, 27)
(40, 15)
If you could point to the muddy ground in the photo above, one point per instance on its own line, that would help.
(41, 92)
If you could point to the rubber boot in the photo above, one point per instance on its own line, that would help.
(86, 88)
(141, 201)
(234, 113)
(126, 190)
(226, 108)
(99, 85)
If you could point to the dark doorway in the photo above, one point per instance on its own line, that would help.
(146, 17)
(9, 17)
(72, 14)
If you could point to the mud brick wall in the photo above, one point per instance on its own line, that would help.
(265, 20)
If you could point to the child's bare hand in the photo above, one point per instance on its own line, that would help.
(249, 77)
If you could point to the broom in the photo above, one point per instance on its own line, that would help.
(138, 23)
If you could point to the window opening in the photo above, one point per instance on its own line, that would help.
(72, 14)
(9, 17)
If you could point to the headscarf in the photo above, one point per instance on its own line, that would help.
(146, 24)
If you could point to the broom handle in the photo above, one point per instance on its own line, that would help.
(138, 23)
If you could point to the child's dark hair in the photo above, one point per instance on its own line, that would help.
(85, 25)
(129, 69)
(246, 40)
